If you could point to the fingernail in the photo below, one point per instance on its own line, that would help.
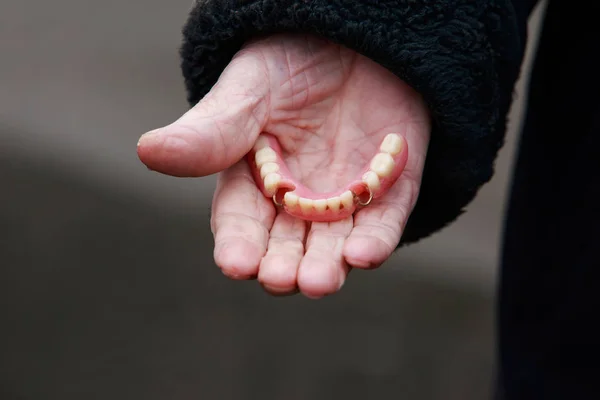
(280, 291)
(238, 277)
(148, 136)
(313, 297)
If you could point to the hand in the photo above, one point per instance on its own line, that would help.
(330, 108)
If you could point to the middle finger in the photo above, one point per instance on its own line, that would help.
(323, 269)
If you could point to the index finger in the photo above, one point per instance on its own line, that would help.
(241, 220)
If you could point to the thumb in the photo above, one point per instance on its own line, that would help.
(218, 131)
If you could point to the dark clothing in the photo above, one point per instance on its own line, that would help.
(550, 276)
(464, 57)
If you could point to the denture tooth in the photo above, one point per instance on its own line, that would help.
(268, 168)
(271, 182)
(347, 199)
(372, 181)
(261, 143)
(290, 199)
(382, 164)
(265, 155)
(334, 203)
(320, 205)
(392, 144)
(305, 204)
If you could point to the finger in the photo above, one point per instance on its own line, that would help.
(378, 227)
(323, 269)
(241, 220)
(279, 268)
(218, 131)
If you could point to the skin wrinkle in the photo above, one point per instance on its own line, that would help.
(265, 220)
(261, 101)
(278, 269)
(336, 168)
(224, 150)
(257, 235)
(291, 247)
(393, 230)
(323, 255)
(290, 80)
(369, 262)
(305, 75)
(337, 129)
(324, 263)
(292, 227)
(185, 131)
(389, 211)
(231, 215)
(252, 107)
(328, 146)
(294, 93)
(468, 33)
(302, 70)
(248, 98)
(222, 124)
(322, 247)
(265, 78)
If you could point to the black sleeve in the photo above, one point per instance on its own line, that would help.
(463, 56)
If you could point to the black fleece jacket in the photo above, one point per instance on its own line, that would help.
(463, 56)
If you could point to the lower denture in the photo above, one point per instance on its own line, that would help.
(275, 181)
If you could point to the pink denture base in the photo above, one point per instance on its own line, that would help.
(357, 187)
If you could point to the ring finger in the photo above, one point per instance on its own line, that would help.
(278, 269)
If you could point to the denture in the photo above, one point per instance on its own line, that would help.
(275, 181)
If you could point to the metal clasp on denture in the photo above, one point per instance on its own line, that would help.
(278, 204)
(358, 199)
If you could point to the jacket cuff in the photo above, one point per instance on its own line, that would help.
(462, 56)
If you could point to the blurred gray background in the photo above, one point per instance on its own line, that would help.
(107, 285)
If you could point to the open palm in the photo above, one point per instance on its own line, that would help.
(329, 109)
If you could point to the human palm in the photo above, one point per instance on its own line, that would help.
(329, 109)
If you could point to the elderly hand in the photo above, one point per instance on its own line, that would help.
(329, 108)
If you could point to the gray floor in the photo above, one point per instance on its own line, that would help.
(107, 286)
